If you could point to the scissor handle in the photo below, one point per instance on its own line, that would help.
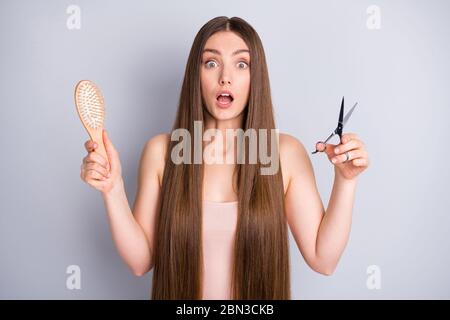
(325, 142)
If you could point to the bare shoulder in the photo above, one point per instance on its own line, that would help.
(293, 156)
(288, 141)
(291, 146)
(158, 142)
(154, 154)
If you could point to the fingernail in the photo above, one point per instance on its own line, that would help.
(333, 160)
(336, 150)
(95, 145)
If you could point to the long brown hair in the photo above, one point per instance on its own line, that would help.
(261, 251)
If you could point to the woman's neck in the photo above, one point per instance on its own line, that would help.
(223, 126)
(213, 123)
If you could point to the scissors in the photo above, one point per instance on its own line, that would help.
(341, 123)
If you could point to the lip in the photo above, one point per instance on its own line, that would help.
(223, 106)
(226, 105)
(225, 91)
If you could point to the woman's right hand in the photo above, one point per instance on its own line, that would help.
(100, 173)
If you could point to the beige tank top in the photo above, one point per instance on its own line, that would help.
(219, 227)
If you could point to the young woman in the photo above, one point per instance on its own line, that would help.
(219, 230)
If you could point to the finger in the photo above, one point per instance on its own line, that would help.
(98, 184)
(353, 154)
(96, 157)
(110, 150)
(350, 145)
(88, 176)
(90, 145)
(361, 162)
(97, 167)
(348, 136)
(329, 150)
(320, 146)
(94, 174)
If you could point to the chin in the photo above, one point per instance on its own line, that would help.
(221, 115)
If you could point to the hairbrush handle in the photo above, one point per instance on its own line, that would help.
(97, 137)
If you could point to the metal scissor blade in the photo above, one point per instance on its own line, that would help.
(340, 125)
(329, 137)
(341, 112)
(347, 116)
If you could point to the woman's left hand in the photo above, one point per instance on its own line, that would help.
(358, 157)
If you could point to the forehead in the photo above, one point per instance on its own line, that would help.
(226, 42)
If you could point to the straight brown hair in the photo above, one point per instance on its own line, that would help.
(261, 251)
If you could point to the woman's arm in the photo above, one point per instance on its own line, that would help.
(127, 234)
(334, 229)
(321, 236)
(133, 233)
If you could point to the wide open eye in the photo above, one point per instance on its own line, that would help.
(242, 65)
(210, 64)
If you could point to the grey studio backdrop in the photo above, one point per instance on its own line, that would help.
(317, 51)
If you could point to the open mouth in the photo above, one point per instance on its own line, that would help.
(225, 99)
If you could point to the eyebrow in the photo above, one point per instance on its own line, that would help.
(218, 52)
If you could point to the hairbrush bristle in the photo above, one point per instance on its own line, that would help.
(90, 104)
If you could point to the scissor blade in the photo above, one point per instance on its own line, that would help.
(341, 113)
(340, 125)
(347, 116)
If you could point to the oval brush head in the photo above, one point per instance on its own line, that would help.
(91, 109)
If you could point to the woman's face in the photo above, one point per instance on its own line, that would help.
(225, 67)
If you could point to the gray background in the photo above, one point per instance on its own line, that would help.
(136, 52)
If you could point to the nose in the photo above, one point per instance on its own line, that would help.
(224, 81)
(225, 77)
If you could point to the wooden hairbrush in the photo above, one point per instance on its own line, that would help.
(91, 109)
